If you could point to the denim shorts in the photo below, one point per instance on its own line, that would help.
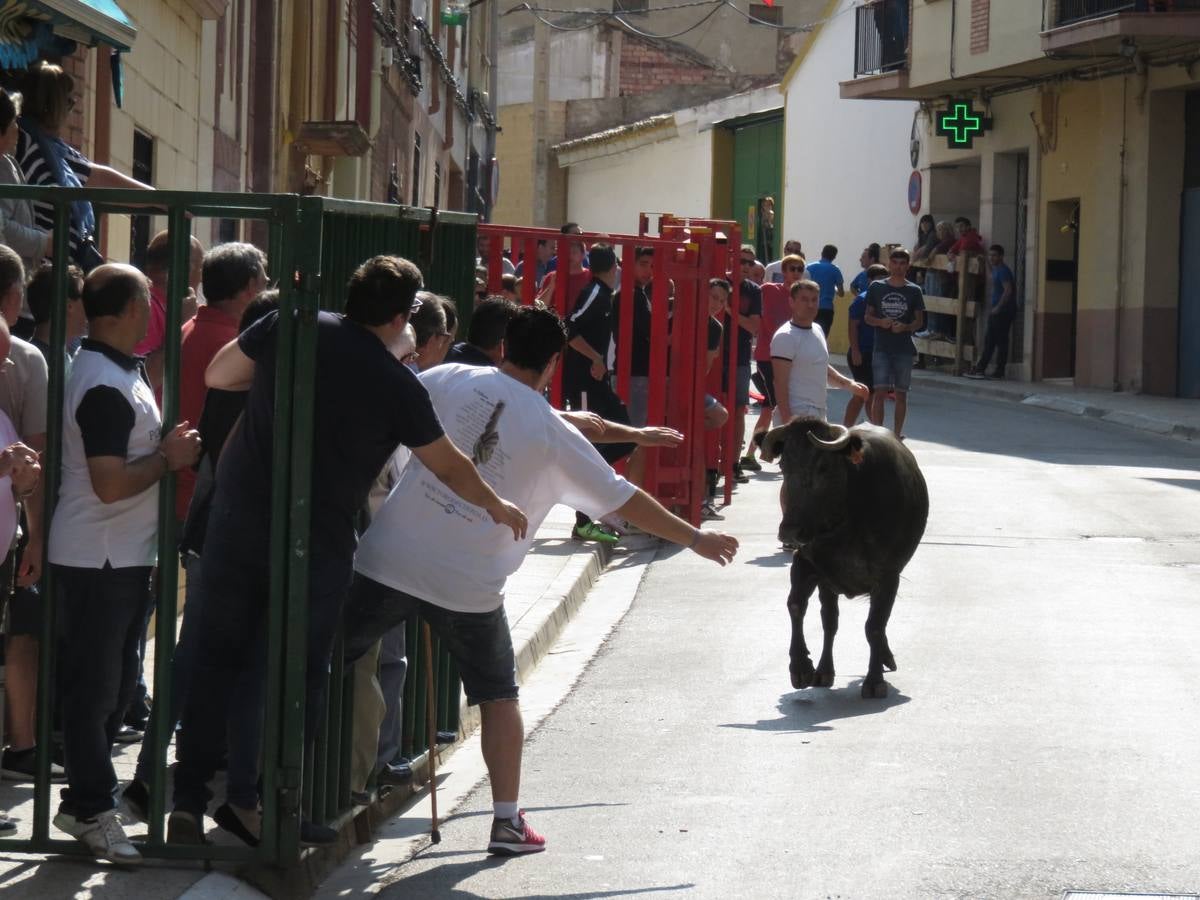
(893, 371)
(480, 643)
(639, 400)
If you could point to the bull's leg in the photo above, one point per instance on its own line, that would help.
(829, 624)
(804, 582)
(882, 599)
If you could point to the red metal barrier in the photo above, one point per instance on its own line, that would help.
(721, 243)
(678, 332)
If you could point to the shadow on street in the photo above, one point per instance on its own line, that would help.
(809, 710)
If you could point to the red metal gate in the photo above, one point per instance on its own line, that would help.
(678, 337)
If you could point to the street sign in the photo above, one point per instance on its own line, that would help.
(914, 192)
(959, 124)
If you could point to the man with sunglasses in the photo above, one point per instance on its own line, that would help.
(776, 310)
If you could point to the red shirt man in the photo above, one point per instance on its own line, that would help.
(233, 275)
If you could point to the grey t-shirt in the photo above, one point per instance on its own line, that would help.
(885, 301)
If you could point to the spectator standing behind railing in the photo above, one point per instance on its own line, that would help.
(103, 543)
(831, 281)
(39, 296)
(158, 270)
(46, 159)
(16, 216)
(776, 310)
(23, 387)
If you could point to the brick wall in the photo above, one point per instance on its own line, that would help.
(646, 67)
(981, 12)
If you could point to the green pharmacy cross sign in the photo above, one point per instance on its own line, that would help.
(959, 124)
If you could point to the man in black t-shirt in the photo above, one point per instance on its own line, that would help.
(586, 378)
(484, 345)
(365, 403)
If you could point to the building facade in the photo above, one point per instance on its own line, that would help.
(1070, 132)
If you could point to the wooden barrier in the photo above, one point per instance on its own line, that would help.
(971, 271)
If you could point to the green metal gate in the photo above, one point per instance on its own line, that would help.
(314, 246)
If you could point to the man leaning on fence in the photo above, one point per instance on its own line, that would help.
(531, 453)
(365, 404)
(103, 544)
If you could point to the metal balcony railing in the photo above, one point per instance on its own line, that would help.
(1066, 12)
(881, 37)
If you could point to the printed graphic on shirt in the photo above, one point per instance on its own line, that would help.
(489, 440)
(894, 305)
(476, 420)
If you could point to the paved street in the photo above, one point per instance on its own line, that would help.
(1042, 732)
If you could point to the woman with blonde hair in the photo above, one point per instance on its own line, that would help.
(46, 159)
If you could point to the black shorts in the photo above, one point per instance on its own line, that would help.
(863, 374)
(767, 373)
(480, 643)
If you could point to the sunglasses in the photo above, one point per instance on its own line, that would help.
(795, 268)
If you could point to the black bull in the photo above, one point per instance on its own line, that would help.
(855, 506)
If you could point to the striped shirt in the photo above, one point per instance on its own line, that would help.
(39, 171)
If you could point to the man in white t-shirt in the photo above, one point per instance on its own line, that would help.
(429, 553)
(800, 359)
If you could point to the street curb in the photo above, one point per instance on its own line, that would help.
(1061, 404)
(533, 636)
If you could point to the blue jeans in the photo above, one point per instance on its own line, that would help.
(244, 733)
(103, 615)
(231, 641)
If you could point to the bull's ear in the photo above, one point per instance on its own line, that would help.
(772, 443)
(855, 449)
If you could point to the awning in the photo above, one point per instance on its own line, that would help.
(28, 25)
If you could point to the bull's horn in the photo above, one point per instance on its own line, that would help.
(838, 443)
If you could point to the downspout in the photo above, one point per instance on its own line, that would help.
(493, 98)
(953, 28)
(1120, 238)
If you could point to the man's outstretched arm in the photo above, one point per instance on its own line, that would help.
(649, 515)
(454, 469)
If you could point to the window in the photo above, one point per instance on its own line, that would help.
(437, 185)
(227, 231)
(416, 171)
(761, 14)
(143, 171)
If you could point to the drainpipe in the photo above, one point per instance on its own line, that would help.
(1120, 238)
(493, 50)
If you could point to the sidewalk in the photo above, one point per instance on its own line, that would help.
(541, 598)
(1167, 416)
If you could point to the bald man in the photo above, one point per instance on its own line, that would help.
(103, 544)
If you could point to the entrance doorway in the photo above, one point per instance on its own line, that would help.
(1189, 252)
(1060, 307)
(758, 173)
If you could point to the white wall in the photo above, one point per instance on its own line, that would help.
(578, 68)
(846, 162)
(675, 176)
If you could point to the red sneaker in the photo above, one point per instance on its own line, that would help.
(513, 840)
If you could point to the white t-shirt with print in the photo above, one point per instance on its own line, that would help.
(809, 355)
(427, 541)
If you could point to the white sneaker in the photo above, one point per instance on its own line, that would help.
(103, 835)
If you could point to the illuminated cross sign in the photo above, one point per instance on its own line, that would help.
(959, 124)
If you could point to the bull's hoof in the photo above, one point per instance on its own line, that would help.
(889, 661)
(875, 691)
(823, 679)
(803, 674)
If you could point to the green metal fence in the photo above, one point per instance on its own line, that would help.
(314, 246)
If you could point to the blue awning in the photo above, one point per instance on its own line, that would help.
(27, 26)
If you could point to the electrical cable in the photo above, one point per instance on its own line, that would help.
(618, 15)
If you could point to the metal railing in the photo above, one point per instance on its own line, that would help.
(1067, 12)
(881, 37)
(313, 246)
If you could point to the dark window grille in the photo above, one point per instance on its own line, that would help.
(416, 171)
(761, 14)
(143, 171)
(881, 37)
(1068, 11)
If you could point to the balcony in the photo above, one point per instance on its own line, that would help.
(1119, 26)
(880, 49)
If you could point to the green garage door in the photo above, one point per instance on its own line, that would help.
(758, 172)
